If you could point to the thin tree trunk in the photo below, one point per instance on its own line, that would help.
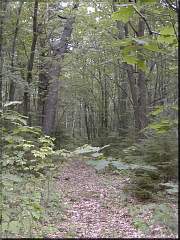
(138, 97)
(43, 78)
(74, 123)
(141, 82)
(105, 106)
(12, 83)
(3, 7)
(86, 121)
(30, 64)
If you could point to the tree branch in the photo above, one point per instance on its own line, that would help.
(133, 28)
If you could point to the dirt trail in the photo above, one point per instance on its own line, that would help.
(94, 204)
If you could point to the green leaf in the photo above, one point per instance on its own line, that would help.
(152, 46)
(141, 65)
(167, 35)
(27, 129)
(167, 31)
(162, 126)
(88, 149)
(175, 107)
(124, 14)
(157, 111)
(129, 59)
(14, 118)
(122, 43)
(147, 1)
(167, 39)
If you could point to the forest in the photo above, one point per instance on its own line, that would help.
(89, 118)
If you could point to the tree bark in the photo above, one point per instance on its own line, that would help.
(141, 82)
(3, 7)
(12, 83)
(138, 92)
(30, 64)
(53, 74)
(86, 121)
(43, 76)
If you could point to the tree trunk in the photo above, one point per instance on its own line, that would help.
(43, 76)
(3, 7)
(30, 64)
(138, 92)
(59, 48)
(12, 83)
(86, 121)
(141, 82)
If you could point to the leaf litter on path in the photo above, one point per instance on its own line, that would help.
(95, 205)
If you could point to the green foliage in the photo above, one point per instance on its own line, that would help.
(29, 158)
(147, 215)
(147, 1)
(162, 123)
(140, 224)
(162, 126)
(149, 162)
(153, 160)
(124, 14)
(134, 60)
(164, 214)
(27, 168)
(86, 149)
(167, 35)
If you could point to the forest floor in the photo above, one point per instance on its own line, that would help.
(96, 207)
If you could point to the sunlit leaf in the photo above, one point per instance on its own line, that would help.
(130, 59)
(124, 14)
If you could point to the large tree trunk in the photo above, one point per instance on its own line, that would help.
(51, 99)
(59, 48)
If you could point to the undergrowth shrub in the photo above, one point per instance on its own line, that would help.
(147, 216)
(64, 139)
(152, 162)
(158, 149)
(27, 167)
